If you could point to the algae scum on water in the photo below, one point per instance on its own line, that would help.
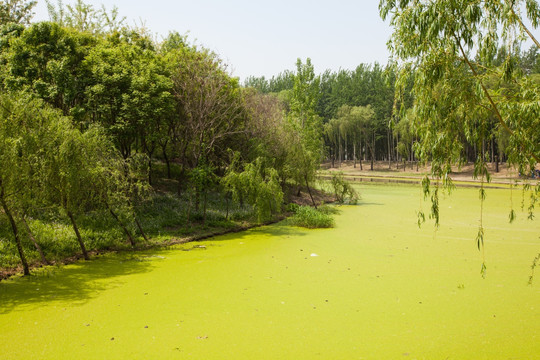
(374, 287)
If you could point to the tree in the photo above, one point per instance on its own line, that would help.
(305, 126)
(266, 131)
(406, 139)
(48, 59)
(209, 106)
(85, 18)
(129, 91)
(439, 40)
(530, 61)
(258, 185)
(31, 133)
(16, 11)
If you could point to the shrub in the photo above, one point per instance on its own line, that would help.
(343, 190)
(311, 218)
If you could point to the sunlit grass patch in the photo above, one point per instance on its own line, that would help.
(311, 218)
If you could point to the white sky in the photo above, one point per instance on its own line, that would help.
(265, 37)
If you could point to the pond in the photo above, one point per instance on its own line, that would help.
(374, 287)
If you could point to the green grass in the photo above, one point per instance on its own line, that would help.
(163, 217)
(311, 218)
(375, 287)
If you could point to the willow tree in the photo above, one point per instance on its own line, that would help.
(16, 116)
(30, 135)
(306, 148)
(258, 184)
(450, 46)
(16, 11)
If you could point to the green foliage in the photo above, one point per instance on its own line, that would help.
(85, 18)
(16, 11)
(210, 112)
(47, 59)
(306, 148)
(460, 92)
(308, 217)
(258, 185)
(342, 189)
(467, 86)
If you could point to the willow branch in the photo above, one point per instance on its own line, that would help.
(488, 95)
(523, 26)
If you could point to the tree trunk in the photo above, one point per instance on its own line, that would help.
(227, 206)
(197, 199)
(340, 153)
(126, 230)
(389, 149)
(346, 149)
(150, 170)
(309, 191)
(373, 151)
(141, 229)
(79, 238)
(360, 157)
(180, 179)
(492, 151)
(167, 161)
(354, 153)
(33, 239)
(15, 230)
(205, 201)
(189, 209)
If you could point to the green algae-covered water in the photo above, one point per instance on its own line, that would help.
(374, 287)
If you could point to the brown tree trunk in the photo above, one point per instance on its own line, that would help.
(360, 157)
(227, 206)
(205, 201)
(189, 210)
(15, 230)
(141, 229)
(150, 170)
(389, 138)
(126, 230)
(180, 179)
(373, 151)
(167, 161)
(309, 191)
(79, 238)
(354, 153)
(33, 239)
(340, 153)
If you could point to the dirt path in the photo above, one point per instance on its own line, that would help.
(411, 174)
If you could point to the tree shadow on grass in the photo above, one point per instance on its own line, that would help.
(76, 283)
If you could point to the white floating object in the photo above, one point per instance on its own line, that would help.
(314, 255)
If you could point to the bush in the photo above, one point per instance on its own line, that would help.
(311, 218)
(343, 190)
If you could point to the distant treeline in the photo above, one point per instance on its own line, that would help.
(357, 110)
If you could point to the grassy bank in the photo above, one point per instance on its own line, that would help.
(166, 218)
